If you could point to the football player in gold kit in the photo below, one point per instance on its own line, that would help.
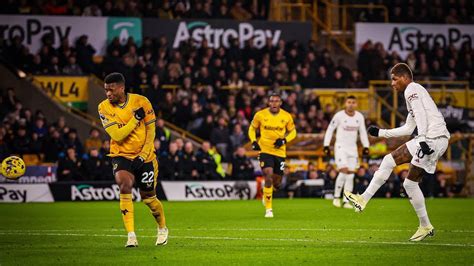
(130, 122)
(276, 128)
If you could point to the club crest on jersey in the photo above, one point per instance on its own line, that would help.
(412, 97)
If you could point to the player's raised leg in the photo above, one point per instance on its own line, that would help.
(125, 181)
(397, 157)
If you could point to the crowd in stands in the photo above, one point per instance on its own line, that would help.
(419, 11)
(399, 11)
(165, 9)
(427, 63)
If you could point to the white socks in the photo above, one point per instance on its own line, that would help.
(417, 200)
(340, 179)
(345, 181)
(348, 185)
(380, 176)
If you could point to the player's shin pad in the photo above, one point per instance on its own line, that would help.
(268, 196)
(156, 209)
(126, 207)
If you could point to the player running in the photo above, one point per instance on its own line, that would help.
(276, 128)
(422, 152)
(130, 122)
(347, 122)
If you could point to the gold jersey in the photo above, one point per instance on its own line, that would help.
(272, 127)
(115, 114)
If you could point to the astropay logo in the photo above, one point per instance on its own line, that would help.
(86, 192)
(217, 37)
(410, 37)
(123, 28)
(219, 191)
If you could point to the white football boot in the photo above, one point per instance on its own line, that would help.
(268, 213)
(162, 238)
(422, 233)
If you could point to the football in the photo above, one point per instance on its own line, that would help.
(13, 167)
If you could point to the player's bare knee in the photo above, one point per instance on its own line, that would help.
(415, 173)
(401, 155)
(268, 181)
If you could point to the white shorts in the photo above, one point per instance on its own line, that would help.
(346, 157)
(427, 162)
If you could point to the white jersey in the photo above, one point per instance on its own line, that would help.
(347, 128)
(422, 113)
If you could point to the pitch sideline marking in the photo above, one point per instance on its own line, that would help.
(238, 229)
(252, 239)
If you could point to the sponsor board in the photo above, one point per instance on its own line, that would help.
(21, 193)
(90, 191)
(209, 190)
(123, 28)
(219, 33)
(100, 30)
(405, 38)
(31, 30)
(34, 175)
(73, 91)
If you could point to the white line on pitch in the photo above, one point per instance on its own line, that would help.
(251, 239)
(237, 229)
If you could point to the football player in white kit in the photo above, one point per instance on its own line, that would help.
(348, 123)
(422, 152)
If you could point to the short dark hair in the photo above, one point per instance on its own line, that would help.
(351, 97)
(114, 77)
(402, 69)
(275, 93)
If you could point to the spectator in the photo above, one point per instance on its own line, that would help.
(40, 128)
(206, 163)
(238, 138)
(93, 141)
(220, 137)
(53, 146)
(85, 52)
(73, 141)
(173, 162)
(93, 167)
(242, 168)
(21, 142)
(189, 161)
(69, 168)
(72, 69)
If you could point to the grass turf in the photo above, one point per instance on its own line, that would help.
(306, 231)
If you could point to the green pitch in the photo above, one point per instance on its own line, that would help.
(220, 233)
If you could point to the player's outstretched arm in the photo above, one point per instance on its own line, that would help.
(119, 134)
(405, 130)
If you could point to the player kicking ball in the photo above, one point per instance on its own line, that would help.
(422, 152)
(348, 123)
(130, 122)
(276, 128)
